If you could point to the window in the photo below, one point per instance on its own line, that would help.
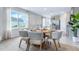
(22, 21)
(46, 22)
(14, 19)
(19, 19)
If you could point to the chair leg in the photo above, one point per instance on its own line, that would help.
(40, 47)
(49, 44)
(55, 44)
(59, 44)
(20, 43)
(28, 44)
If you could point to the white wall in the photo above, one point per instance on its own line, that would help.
(2, 21)
(34, 20)
(64, 18)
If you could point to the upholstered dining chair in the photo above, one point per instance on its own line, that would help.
(56, 37)
(36, 38)
(24, 37)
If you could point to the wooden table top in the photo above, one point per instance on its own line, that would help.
(43, 30)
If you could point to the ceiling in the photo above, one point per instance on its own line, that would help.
(48, 11)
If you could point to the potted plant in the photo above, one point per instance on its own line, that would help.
(74, 22)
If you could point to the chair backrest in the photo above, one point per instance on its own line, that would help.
(56, 35)
(23, 33)
(35, 35)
